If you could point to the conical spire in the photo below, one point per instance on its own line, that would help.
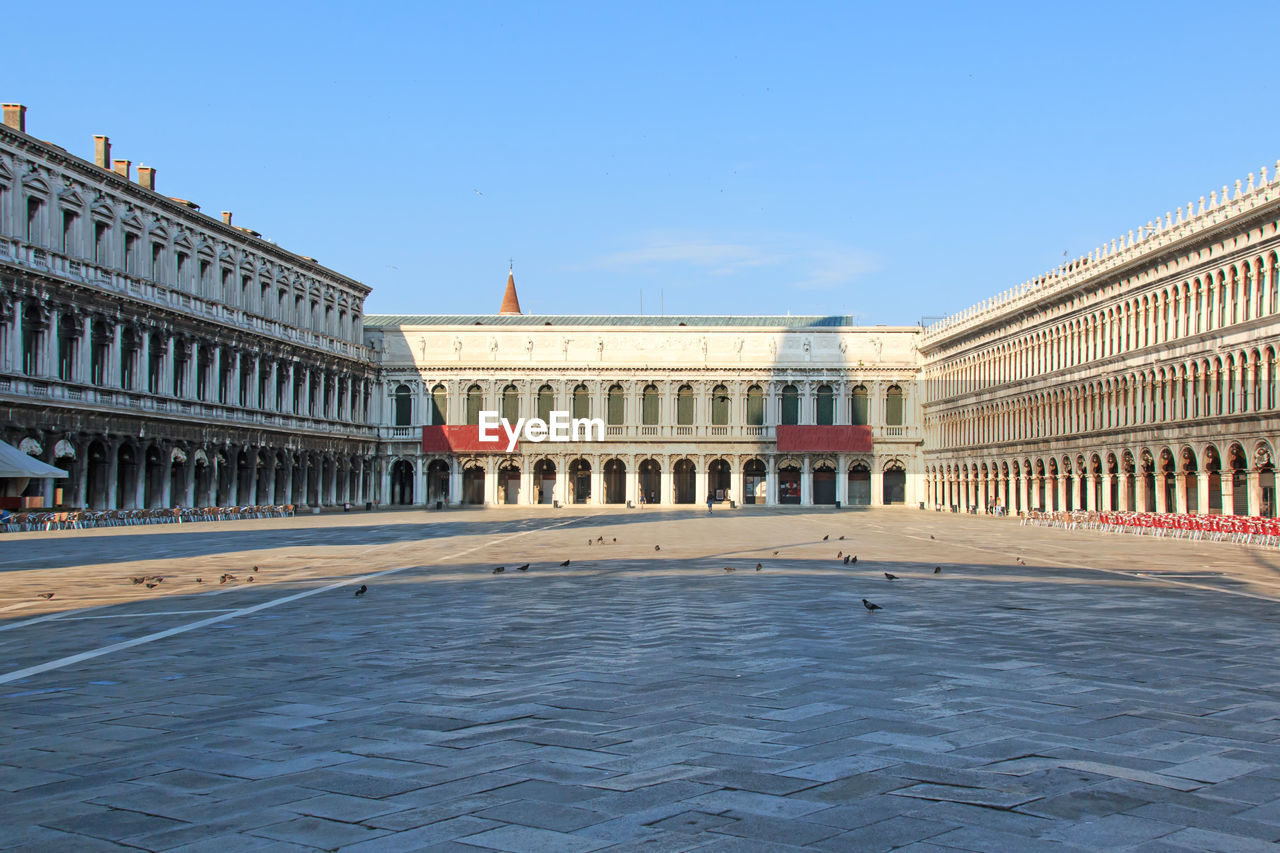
(510, 302)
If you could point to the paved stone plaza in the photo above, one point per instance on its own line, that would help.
(1113, 693)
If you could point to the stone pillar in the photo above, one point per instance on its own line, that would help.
(114, 373)
(142, 372)
(735, 479)
(1180, 492)
(84, 355)
(490, 481)
(1253, 479)
(113, 475)
(527, 495)
(455, 482)
(420, 481)
(384, 491)
(632, 480)
(1202, 492)
(700, 480)
(50, 360)
(166, 482)
(877, 483)
(272, 403)
(233, 381)
(167, 379)
(664, 494)
(561, 491)
(1091, 496)
(1160, 495)
(15, 339)
(1140, 490)
(771, 480)
(597, 479)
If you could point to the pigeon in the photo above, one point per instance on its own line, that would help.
(759, 567)
(255, 568)
(222, 580)
(137, 581)
(855, 559)
(251, 579)
(937, 570)
(1021, 562)
(871, 607)
(775, 553)
(158, 579)
(728, 568)
(523, 568)
(825, 538)
(930, 535)
(565, 563)
(199, 580)
(839, 554)
(600, 539)
(890, 577)
(841, 537)
(499, 570)
(362, 590)
(659, 548)
(615, 540)
(46, 595)
(846, 559)
(589, 542)
(152, 585)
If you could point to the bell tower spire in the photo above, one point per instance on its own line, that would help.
(510, 302)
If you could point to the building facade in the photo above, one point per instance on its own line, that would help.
(164, 357)
(691, 405)
(1140, 377)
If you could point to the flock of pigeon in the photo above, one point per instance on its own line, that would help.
(153, 581)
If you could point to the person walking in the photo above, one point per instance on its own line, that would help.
(710, 498)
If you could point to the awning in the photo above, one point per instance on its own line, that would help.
(461, 438)
(15, 463)
(831, 439)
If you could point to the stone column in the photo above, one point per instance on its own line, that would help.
(490, 481)
(166, 482)
(561, 491)
(420, 481)
(1107, 480)
(142, 372)
(169, 375)
(735, 479)
(632, 480)
(877, 483)
(700, 479)
(1140, 490)
(50, 365)
(84, 355)
(15, 339)
(384, 490)
(1180, 492)
(1253, 479)
(455, 482)
(665, 496)
(527, 494)
(113, 475)
(1160, 495)
(114, 372)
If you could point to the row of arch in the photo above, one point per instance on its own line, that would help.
(108, 472)
(643, 480)
(1236, 383)
(716, 407)
(1188, 478)
(1236, 293)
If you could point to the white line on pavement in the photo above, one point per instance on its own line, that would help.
(59, 663)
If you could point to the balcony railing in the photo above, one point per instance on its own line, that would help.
(51, 392)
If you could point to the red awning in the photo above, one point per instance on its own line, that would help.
(836, 439)
(462, 439)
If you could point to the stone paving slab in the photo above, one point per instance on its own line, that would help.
(639, 700)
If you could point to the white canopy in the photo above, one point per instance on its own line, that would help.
(15, 463)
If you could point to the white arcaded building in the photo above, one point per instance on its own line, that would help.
(692, 405)
(163, 357)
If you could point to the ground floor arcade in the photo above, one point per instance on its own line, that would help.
(651, 478)
(1235, 476)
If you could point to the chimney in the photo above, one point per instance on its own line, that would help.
(121, 167)
(226, 217)
(102, 152)
(15, 116)
(147, 177)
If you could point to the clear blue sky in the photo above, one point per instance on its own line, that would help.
(889, 160)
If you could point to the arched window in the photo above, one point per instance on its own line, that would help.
(546, 399)
(649, 406)
(893, 406)
(403, 405)
(755, 406)
(790, 405)
(439, 405)
(581, 402)
(511, 403)
(826, 415)
(684, 406)
(616, 406)
(720, 406)
(475, 398)
(861, 406)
